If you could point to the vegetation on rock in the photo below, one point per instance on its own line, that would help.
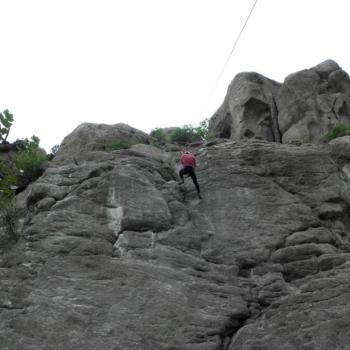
(8, 215)
(116, 145)
(53, 152)
(6, 120)
(158, 137)
(29, 162)
(25, 166)
(184, 135)
(9, 218)
(180, 135)
(338, 131)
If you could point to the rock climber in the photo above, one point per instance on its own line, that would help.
(188, 161)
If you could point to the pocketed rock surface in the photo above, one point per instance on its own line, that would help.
(302, 109)
(116, 255)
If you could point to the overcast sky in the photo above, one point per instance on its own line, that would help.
(150, 63)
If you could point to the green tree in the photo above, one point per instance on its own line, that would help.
(158, 137)
(203, 129)
(181, 135)
(53, 152)
(6, 120)
(184, 135)
(29, 161)
(8, 182)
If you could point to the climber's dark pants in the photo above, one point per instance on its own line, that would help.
(190, 171)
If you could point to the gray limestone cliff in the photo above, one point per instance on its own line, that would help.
(116, 255)
(300, 110)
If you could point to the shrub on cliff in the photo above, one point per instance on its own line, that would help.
(6, 120)
(184, 135)
(189, 133)
(116, 145)
(9, 219)
(203, 129)
(181, 135)
(158, 137)
(8, 212)
(53, 152)
(29, 162)
(338, 131)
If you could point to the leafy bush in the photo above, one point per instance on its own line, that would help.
(8, 213)
(184, 135)
(338, 131)
(54, 150)
(8, 180)
(181, 135)
(6, 120)
(158, 137)
(203, 129)
(9, 218)
(116, 145)
(29, 162)
(25, 166)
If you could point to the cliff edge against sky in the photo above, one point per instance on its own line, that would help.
(116, 255)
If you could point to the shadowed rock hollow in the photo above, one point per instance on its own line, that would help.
(116, 255)
(301, 110)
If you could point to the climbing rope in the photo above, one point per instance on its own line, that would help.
(237, 40)
(231, 52)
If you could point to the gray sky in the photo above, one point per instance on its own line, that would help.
(150, 63)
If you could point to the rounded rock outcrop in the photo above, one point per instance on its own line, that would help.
(300, 110)
(89, 137)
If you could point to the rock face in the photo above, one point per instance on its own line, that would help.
(116, 255)
(248, 110)
(89, 137)
(302, 109)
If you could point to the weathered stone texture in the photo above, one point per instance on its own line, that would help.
(116, 255)
(89, 137)
(248, 110)
(300, 110)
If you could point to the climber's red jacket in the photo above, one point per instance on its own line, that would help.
(188, 159)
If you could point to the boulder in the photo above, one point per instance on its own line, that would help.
(312, 101)
(248, 110)
(89, 137)
(300, 110)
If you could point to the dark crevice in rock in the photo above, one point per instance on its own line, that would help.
(245, 268)
(99, 171)
(274, 118)
(231, 329)
(248, 134)
(226, 131)
(332, 209)
(333, 109)
(344, 114)
(244, 272)
(12, 307)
